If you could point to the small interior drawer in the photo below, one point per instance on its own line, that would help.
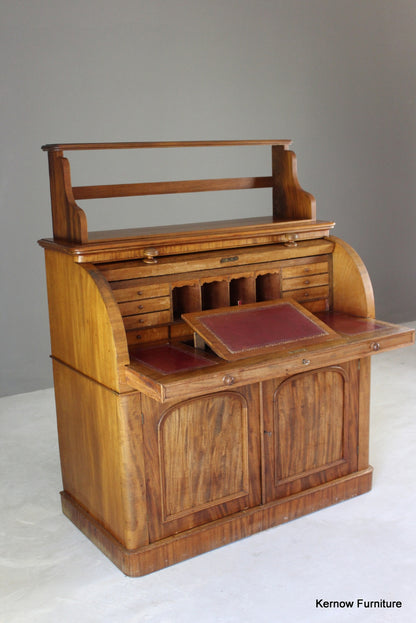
(130, 291)
(143, 306)
(144, 336)
(312, 268)
(306, 294)
(147, 320)
(306, 281)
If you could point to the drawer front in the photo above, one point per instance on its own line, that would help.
(310, 281)
(143, 306)
(146, 320)
(130, 292)
(144, 336)
(300, 270)
(307, 294)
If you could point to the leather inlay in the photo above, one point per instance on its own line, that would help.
(168, 359)
(261, 327)
(349, 325)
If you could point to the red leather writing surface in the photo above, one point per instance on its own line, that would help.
(265, 326)
(168, 359)
(349, 325)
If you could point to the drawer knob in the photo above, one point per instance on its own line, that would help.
(306, 282)
(140, 307)
(228, 379)
(375, 346)
(149, 255)
(289, 240)
(306, 362)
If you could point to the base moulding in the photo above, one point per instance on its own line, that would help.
(201, 539)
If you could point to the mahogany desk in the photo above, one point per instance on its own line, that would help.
(211, 380)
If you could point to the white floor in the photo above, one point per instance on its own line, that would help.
(363, 548)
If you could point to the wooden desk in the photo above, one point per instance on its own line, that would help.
(174, 438)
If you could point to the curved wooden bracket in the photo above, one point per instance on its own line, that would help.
(69, 221)
(290, 201)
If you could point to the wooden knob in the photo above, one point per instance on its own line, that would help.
(149, 255)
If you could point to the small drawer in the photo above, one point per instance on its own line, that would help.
(143, 306)
(146, 320)
(158, 334)
(306, 281)
(304, 269)
(307, 294)
(130, 292)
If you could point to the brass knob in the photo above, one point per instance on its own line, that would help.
(149, 255)
(228, 379)
(290, 240)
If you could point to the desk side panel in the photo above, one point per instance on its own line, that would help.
(352, 289)
(101, 451)
(87, 331)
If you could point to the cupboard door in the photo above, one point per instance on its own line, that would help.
(310, 429)
(202, 459)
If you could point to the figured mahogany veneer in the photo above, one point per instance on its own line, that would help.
(212, 379)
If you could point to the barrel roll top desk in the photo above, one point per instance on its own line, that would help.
(211, 380)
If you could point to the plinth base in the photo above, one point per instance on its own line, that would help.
(204, 538)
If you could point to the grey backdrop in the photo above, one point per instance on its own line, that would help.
(337, 76)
